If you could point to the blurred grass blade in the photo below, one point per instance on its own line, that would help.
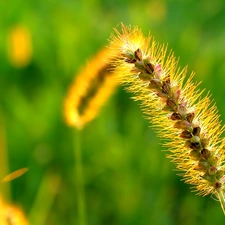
(44, 199)
(14, 175)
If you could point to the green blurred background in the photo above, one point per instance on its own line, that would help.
(128, 179)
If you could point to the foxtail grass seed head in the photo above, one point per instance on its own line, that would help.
(89, 91)
(176, 108)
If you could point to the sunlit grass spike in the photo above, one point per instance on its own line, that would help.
(89, 91)
(182, 115)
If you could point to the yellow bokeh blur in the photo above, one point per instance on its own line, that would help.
(19, 46)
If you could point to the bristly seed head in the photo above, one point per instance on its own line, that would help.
(189, 123)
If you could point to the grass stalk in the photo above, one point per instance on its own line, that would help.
(79, 178)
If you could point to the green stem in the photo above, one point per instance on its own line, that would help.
(221, 198)
(79, 179)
